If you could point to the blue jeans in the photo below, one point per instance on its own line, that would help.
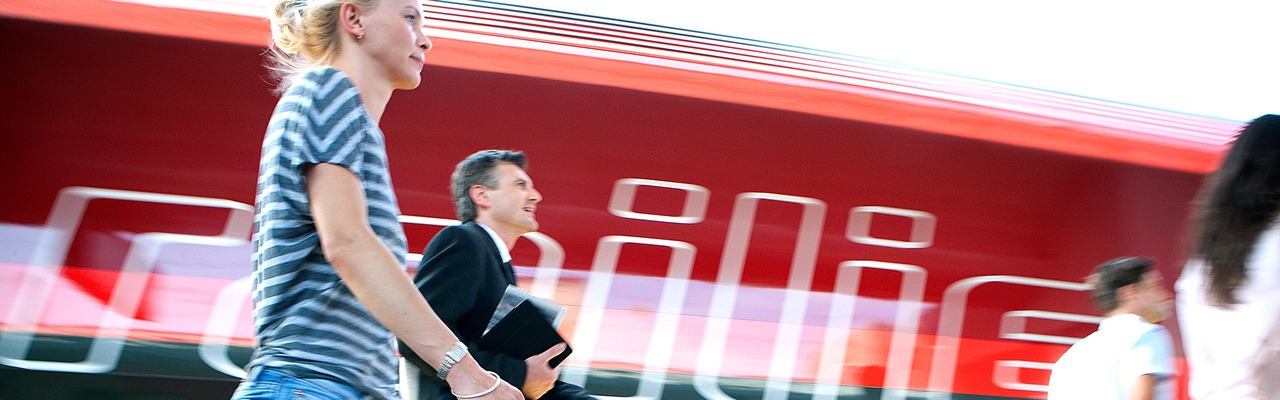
(273, 384)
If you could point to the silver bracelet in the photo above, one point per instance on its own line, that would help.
(497, 382)
(452, 357)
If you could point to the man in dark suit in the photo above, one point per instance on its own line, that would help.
(466, 269)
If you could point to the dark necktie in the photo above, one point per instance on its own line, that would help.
(509, 272)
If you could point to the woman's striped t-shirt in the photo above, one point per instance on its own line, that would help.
(308, 322)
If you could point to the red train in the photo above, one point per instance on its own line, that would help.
(724, 218)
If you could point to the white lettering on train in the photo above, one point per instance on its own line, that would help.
(34, 291)
(36, 286)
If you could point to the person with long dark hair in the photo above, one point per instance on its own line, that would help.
(1228, 296)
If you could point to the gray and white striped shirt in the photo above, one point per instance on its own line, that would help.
(308, 322)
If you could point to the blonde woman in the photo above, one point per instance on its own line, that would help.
(330, 292)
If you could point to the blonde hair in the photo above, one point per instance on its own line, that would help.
(305, 35)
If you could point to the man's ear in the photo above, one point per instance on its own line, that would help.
(479, 195)
(1124, 295)
(349, 17)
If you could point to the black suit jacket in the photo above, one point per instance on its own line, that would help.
(463, 278)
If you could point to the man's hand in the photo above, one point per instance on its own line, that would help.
(540, 377)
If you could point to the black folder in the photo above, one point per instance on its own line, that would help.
(523, 333)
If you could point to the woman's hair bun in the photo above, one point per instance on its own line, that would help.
(288, 25)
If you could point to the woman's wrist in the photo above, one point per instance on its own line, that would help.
(496, 382)
(468, 377)
(451, 358)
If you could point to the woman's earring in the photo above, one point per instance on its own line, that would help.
(359, 38)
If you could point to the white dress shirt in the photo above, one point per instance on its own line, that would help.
(497, 241)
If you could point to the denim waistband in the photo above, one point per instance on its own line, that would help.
(277, 375)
